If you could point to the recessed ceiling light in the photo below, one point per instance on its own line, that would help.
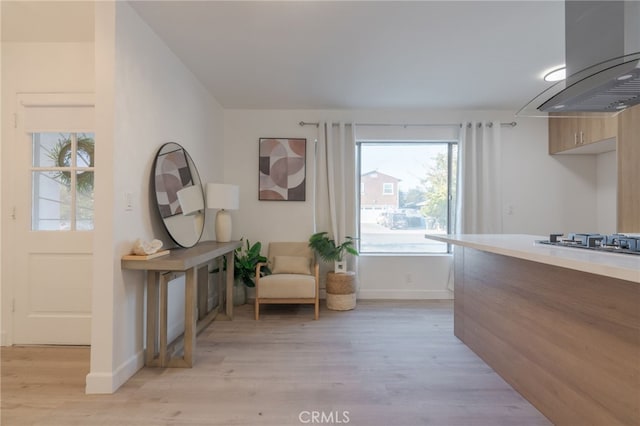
(558, 106)
(556, 74)
(625, 77)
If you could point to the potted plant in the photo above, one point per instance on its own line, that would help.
(245, 260)
(330, 252)
(340, 285)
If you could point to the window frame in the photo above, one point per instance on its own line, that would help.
(451, 208)
(72, 169)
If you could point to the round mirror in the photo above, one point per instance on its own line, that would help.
(179, 194)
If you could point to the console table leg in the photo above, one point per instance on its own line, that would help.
(229, 302)
(164, 304)
(190, 315)
(152, 315)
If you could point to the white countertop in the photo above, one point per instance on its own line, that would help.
(621, 266)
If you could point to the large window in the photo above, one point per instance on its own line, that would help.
(396, 221)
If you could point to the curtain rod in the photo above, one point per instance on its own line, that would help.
(305, 123)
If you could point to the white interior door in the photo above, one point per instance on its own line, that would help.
(53, 219)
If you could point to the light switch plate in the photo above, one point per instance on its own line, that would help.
(128, 201)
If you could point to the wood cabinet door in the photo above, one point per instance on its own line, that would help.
(562, 133)
(566, 133)
(629, 170)
(597, 129)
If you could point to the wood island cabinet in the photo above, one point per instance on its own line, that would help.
(567, 133)
(560, 325)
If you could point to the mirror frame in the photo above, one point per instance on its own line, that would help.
(178, 171)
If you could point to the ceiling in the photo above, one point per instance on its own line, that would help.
(363, 54)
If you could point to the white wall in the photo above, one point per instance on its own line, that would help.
(32, 68)
(545, 194)
(145, 97)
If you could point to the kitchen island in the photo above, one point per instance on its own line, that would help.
(560, 325)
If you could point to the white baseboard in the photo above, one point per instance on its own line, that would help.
(404, 294)
(394, 295)
(100, 383)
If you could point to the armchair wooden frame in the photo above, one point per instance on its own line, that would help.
(309, 301)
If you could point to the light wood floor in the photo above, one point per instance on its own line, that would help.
(385, 363)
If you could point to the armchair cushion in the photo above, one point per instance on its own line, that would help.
(290, 286)
(291, 265)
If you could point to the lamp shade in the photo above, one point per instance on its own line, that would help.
(191, 200)
(223, 196)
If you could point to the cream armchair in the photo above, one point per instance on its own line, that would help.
(294, 276)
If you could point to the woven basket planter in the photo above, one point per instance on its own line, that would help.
(341, 291)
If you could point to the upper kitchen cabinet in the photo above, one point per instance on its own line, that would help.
(573, 133)
(629, 170)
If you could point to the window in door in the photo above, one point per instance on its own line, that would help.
(62, 181)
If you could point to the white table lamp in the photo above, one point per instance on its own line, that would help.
(224, 197)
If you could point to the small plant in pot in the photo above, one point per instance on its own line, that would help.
(330, 252)
(245, 260)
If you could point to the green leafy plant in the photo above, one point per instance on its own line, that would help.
(61, 155)
(245, 260)
(327, 248)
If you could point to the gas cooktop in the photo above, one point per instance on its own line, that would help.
(614, 243)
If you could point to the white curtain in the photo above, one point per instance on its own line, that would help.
(335, 180)
(479, 206)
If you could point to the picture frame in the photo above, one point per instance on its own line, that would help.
(282, 169)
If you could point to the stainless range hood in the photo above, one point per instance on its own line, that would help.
(602, 53)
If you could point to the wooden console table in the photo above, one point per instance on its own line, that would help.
(163, 269)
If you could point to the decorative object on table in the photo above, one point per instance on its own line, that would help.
(146, 250)
(282, 169)
(224, 197)
(141, 247)
(330, 252)
(245, 262)
(341, 291)
(178, 192)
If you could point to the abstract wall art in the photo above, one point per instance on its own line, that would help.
(282, 169)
